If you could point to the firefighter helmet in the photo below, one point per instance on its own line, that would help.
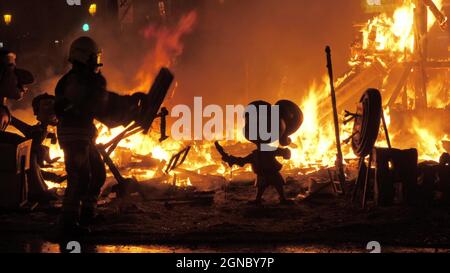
(85, 50)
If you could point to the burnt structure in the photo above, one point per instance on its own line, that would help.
(404, 84)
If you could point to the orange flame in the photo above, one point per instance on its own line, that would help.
(167, 47)
(314, 144)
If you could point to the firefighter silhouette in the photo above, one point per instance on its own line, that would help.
(81, 97)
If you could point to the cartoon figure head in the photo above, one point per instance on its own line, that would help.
(265, 125)
(291, 118)
(44, 109)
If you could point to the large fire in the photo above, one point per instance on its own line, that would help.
(386, 37)
(391, 34)
(394, 34)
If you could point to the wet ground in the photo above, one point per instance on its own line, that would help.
(325, 223)
(48, 247)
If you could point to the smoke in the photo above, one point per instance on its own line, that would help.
(167, 46)
(264, 49)
(233, 52)
(228, 52)
(132, 60)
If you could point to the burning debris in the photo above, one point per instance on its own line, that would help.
(391, 150)
(388, 42)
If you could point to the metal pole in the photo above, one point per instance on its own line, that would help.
(366, 182)
(339, 157)
(386, 132)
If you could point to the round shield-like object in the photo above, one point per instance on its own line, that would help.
(292, 116)
(367, 122)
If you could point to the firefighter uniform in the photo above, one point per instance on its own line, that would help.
(81, 97)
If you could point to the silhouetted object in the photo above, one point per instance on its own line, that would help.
(433, 185)
(15, 150)
(177, 159)
(444, 177)
(151, 102)
(366, 122)
(43, 109)
(81, 97)
(163, 125)
(365, 133)
(395, 170)
(14, 164)
(12, 79)
(12, 86)
(395, 175)
(5, 117)
(148, 111)
(339, 156)
(264, 163)
(291, 117)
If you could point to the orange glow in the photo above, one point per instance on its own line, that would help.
(388, 38)
(391, 34)
(431, 18)
(93, 9)
(7, 18)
